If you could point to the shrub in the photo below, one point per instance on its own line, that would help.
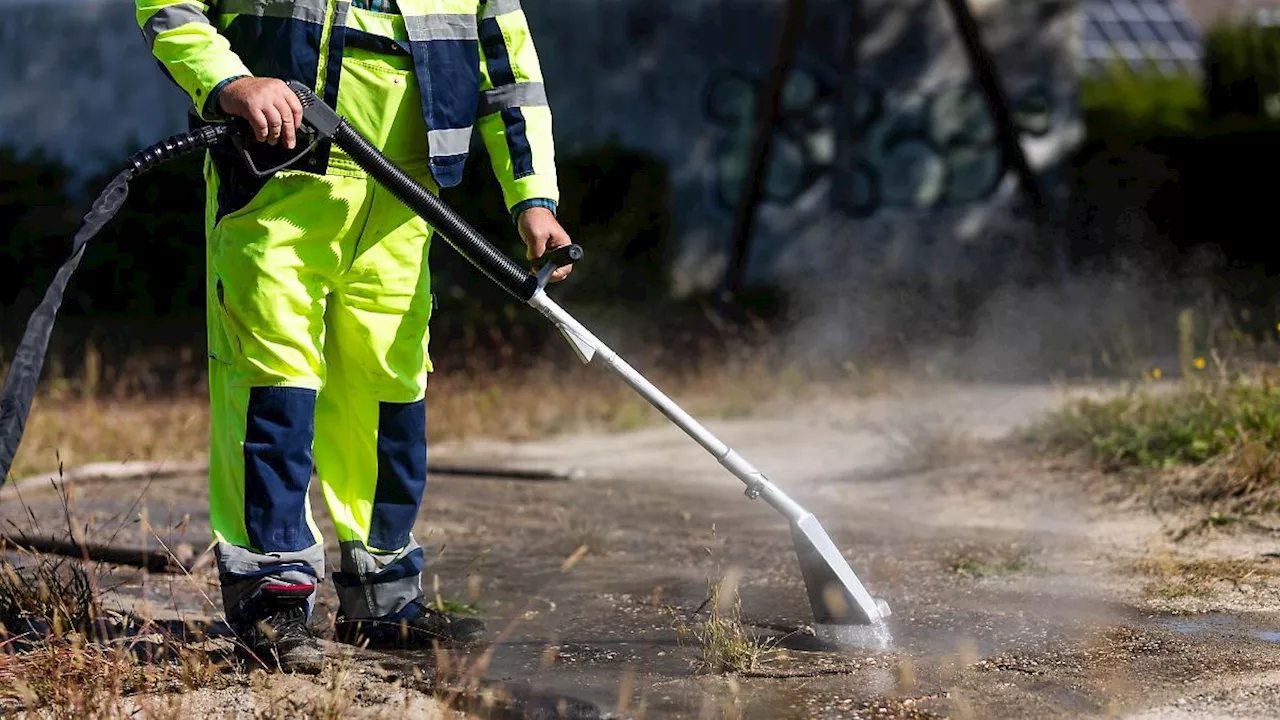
(1242, 68)
(1123, 104)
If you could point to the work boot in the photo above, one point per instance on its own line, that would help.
(416, 627)
(280, 638)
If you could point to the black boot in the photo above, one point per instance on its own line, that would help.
(416, 627)
(280, 638)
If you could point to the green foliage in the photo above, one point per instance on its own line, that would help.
(149, 260)
(1126, 104)
(1240, 90)
(1242, 63)
(1164, 169)
(1192, 426)
(615, 201)
(455, 607)
(36, 221)
(988, 564)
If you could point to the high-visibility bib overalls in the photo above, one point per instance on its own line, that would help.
(319, 292)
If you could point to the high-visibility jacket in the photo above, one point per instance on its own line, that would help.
(474, 60)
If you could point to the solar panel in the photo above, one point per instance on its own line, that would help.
(1093, 35)
(1141, 32)
(1128, 12)
(1159, 13)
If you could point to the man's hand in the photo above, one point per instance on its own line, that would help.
(271, 108)
(542, 232)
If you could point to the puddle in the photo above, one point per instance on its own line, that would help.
(1219, 625)
(1202, 624)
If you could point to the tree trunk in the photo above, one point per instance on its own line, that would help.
(1048, 251)
(847, 150)
(768, 109)
(997, 97)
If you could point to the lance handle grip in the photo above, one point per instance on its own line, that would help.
(551, 260)
(561, 256)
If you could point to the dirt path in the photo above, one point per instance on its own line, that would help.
(1013, 590)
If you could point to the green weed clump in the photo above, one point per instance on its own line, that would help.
(1196, 425)
(1208, 443)
(993, 562)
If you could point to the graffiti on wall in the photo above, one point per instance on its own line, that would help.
(914, 150)
(928, 150)
(804, 140)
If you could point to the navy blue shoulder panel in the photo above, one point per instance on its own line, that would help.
(283, 48)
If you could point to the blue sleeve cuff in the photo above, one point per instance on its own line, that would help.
(211, 108)
(531, 203)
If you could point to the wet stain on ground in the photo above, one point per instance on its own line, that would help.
(1225, 627)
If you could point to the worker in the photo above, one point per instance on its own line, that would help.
(319, 290)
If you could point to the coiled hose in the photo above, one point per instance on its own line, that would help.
(470, 244)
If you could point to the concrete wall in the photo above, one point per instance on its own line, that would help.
(886, 159)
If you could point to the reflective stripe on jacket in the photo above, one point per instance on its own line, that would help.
(475, 63)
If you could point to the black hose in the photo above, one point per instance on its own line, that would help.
(174, 146)
(469, 243)
(28, 361)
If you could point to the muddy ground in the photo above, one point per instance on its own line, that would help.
(1017, 589)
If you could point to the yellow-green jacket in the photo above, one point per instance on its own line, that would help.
(474, 61)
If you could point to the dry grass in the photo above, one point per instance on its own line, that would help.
(71, 677)
(56, 670)
(62, 656)
(79, 431)
(1173, 578)
(723, 643)
(66, 428)
(534, 402)
(1211, 443)
(53, 591)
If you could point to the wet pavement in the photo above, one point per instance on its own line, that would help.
(1005, 601)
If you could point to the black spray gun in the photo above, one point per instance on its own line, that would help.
(836, 595)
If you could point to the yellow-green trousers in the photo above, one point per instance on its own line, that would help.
(319, 297)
